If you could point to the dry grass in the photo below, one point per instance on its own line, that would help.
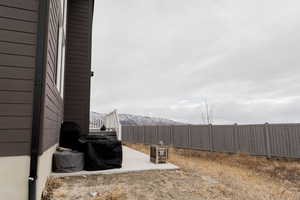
(51, 185)
(281, 168)
(255, 176)
(203, 176)
(115, 194)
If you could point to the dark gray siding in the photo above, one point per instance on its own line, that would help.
(78, 63)
(18, 34)
(18, 26)
(53, 103)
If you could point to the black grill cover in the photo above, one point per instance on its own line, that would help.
(101, 152)
(69, 135)
(68, 161)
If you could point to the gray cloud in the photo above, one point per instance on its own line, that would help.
(164, 58)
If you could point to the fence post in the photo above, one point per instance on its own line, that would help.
(235, 138)
(189, 136)
(123, 139)
(128, 134)
(132, 134)
(211, 145)
(268, 150)
(171, 136)
(144, 135)
(156, 141)
(126, 138)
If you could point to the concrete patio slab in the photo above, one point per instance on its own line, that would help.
(133, 161)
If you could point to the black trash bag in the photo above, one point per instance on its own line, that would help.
(69, 134)
(101, 152)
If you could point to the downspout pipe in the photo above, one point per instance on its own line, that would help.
(38, 93)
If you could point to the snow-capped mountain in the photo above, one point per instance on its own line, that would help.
(129, 119)
(96, 116)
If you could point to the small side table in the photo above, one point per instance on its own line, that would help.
(159, 154)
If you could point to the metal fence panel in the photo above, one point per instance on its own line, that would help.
(200, 137)
(251, 139)
(140, 134)
(271, 140)
(164, 134)
(156, 140)
(294, 131)
(131, 134)
(150, 134)
(135, 134)
(125, 133)
(223, 138)
(181, 136)
(284, 140)
(123, 138)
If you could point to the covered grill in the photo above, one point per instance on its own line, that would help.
(101, 152)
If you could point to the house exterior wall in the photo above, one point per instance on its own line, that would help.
(78, 63)
(18, 55)
(18, 32)
(52, 98)
(53, 102)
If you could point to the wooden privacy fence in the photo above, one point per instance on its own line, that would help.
(282, 140)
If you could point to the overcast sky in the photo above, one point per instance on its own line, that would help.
(165, 58)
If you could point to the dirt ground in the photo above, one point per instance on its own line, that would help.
(203, 176)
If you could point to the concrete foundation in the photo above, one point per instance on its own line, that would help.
(44, 170)
(14, 173)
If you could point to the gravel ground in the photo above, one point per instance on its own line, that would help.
(201, 177)
(156, 185)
